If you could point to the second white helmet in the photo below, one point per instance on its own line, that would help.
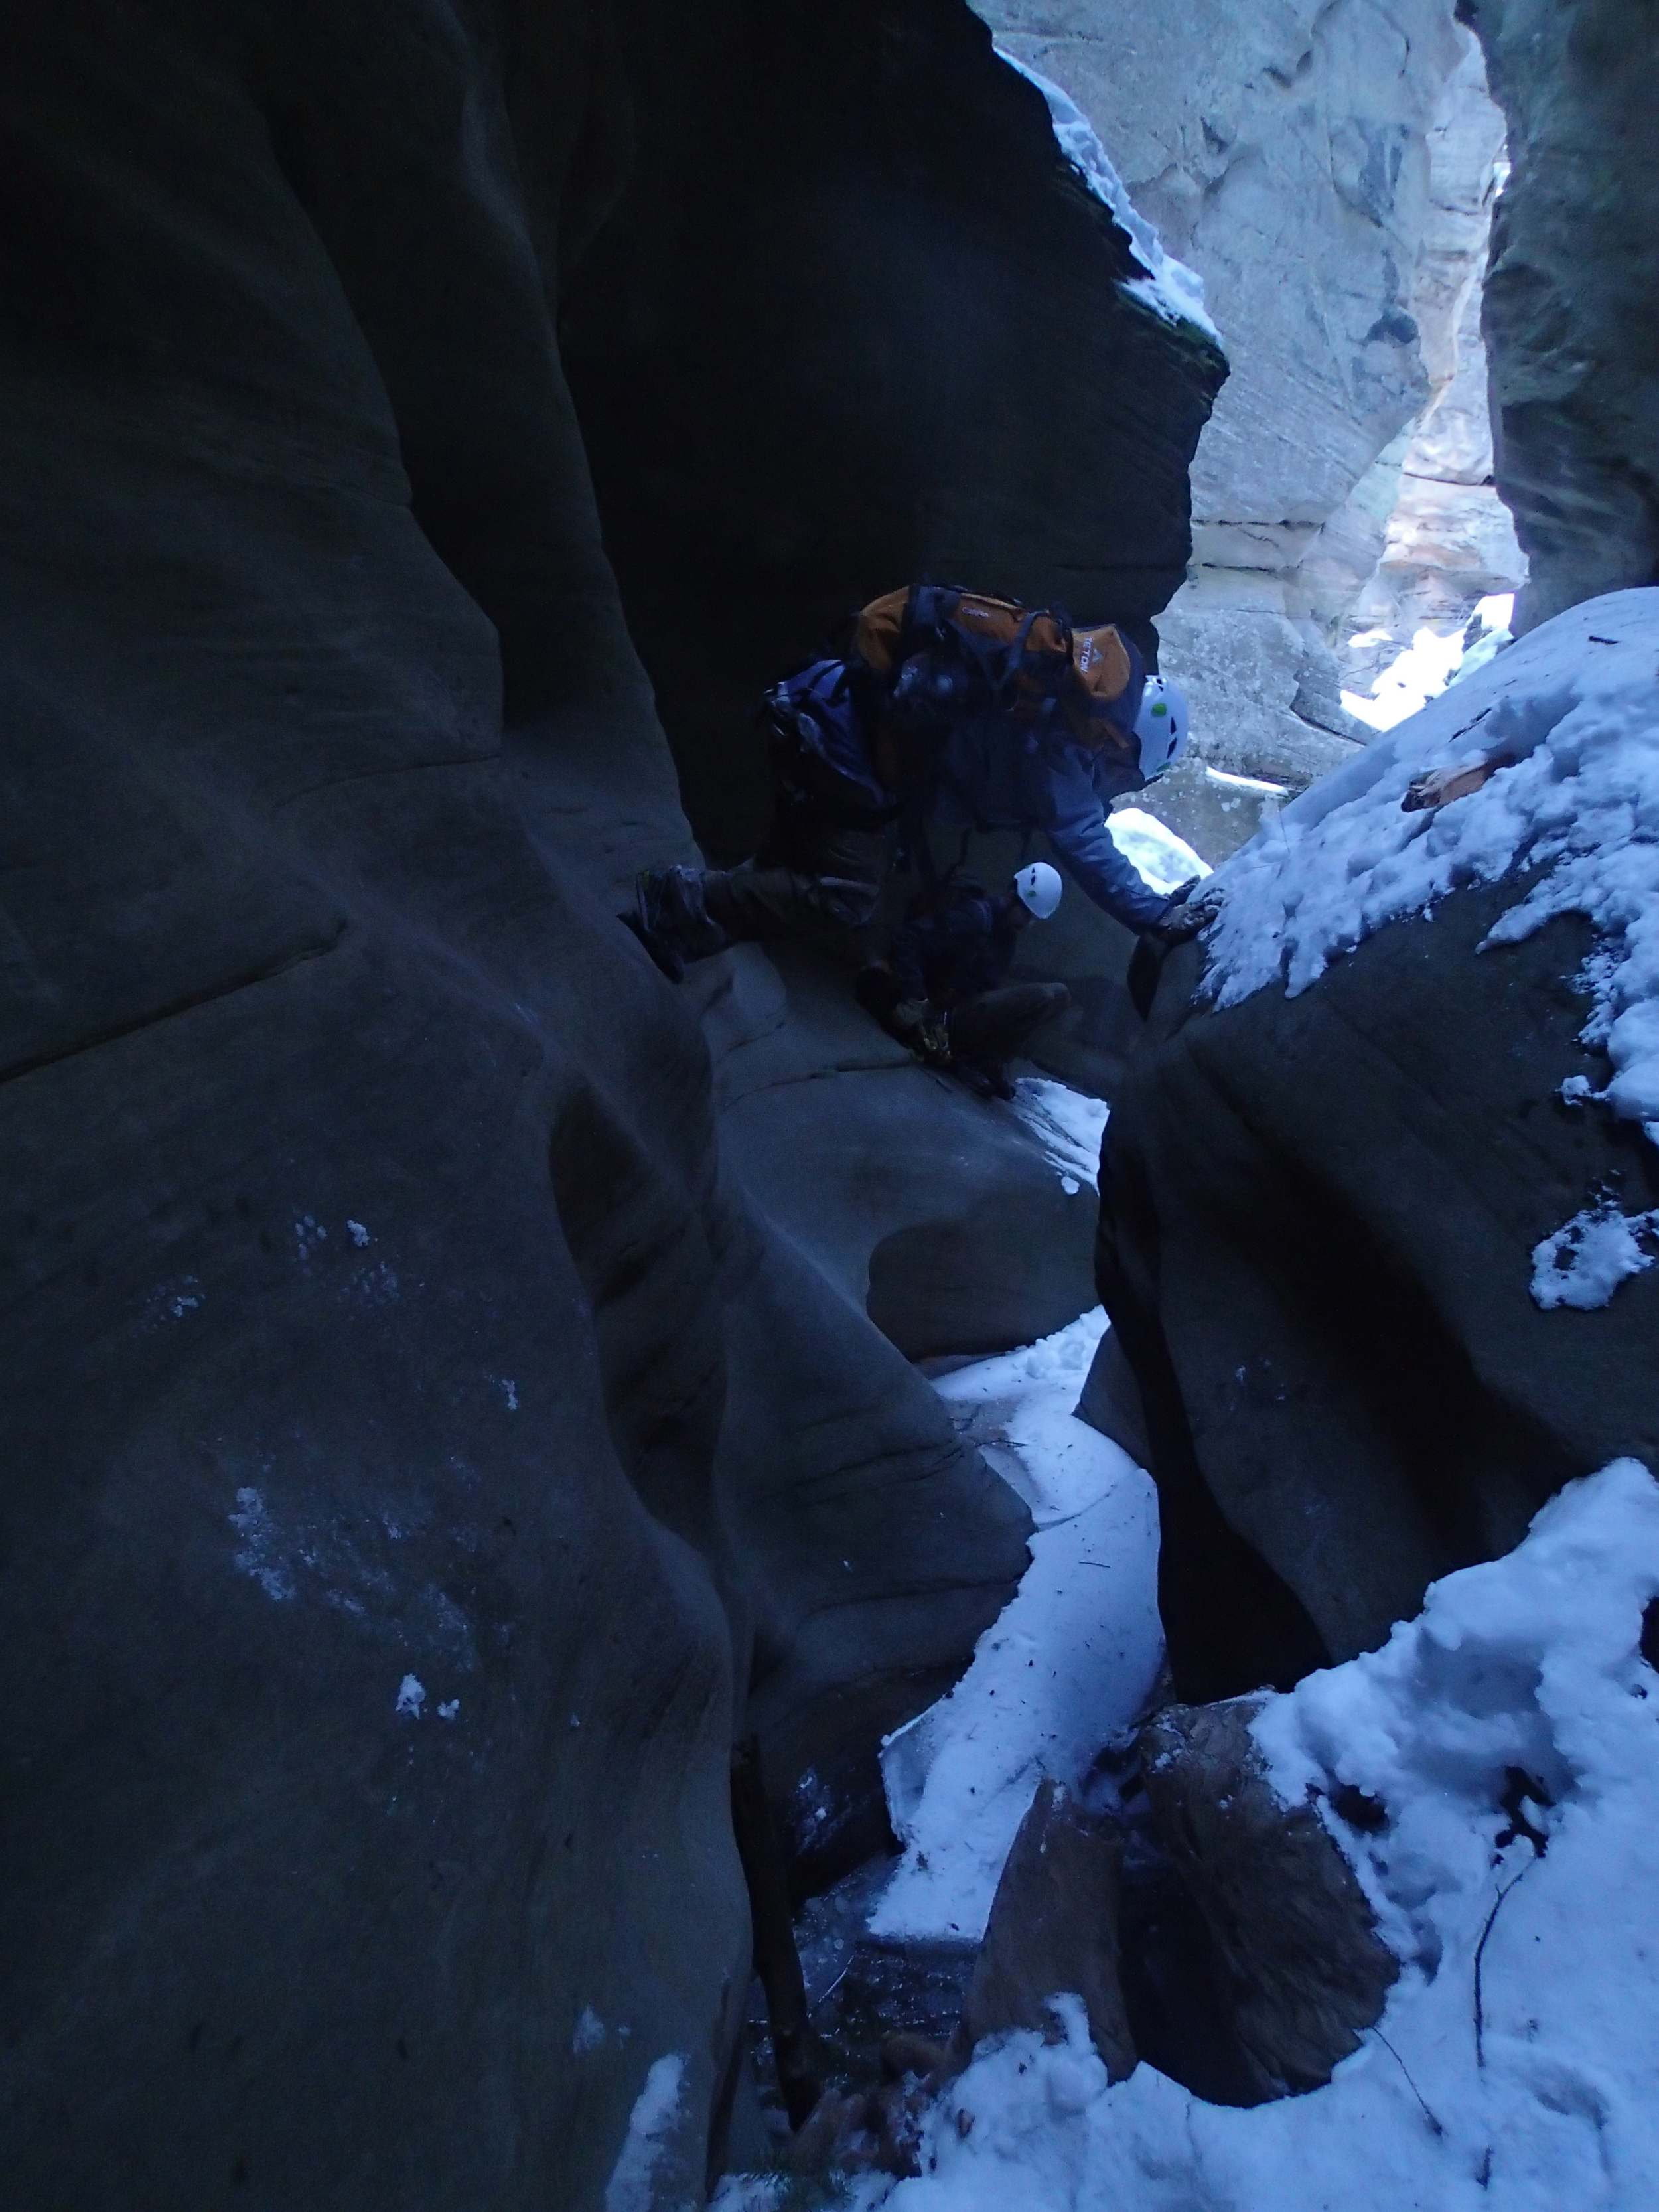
(1039, 888)
(1161, 726)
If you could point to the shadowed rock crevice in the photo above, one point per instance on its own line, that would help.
(854, 318)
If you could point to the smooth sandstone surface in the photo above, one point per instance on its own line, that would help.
(425, 1451)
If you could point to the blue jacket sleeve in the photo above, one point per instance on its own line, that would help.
(1088, 854)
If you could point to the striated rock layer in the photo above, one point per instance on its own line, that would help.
(1450, 540)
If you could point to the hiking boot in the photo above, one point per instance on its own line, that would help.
(982, 1077)
(670, 920)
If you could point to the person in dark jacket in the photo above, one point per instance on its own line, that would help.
(948, 998)
(991, 777)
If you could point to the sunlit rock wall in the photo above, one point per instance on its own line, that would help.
(1449, 541)
(1283, 152)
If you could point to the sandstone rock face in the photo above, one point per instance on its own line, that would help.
(926, 1208)
(1301, 1970)
(1569, 302)
(1052, 1930)
(1282, 152)
(1317, 1218)
(426, 1452)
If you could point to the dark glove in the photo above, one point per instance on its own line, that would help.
(1183, 919)
(1189, 911)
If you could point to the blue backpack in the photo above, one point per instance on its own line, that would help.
(820, 747)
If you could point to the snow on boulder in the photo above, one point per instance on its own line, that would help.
(1491, 1775)
(1379, 1189)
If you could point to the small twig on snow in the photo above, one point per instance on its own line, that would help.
(1428, 2112)
(1481, 1952)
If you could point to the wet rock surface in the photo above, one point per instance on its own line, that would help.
(1298, 1966)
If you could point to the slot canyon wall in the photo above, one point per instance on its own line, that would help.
(1570, 298)
(1328, 170)
(440, 1413)
(426, 1451)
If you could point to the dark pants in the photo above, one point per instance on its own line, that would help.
(990, 1029)
(813, 878)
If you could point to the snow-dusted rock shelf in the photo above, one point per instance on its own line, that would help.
(1569, 721)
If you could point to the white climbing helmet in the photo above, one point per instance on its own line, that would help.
(1160, 726)
(1039, 888)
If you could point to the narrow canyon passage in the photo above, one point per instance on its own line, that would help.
(534, 1480)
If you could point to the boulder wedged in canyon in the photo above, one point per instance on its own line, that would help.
(1319, 1215)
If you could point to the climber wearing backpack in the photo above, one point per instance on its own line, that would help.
(1002, 718)
(948, 707)
(947, 994)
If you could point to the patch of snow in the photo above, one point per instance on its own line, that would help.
(1536, 2089)
(1066, 1666)
(253, 1522)
(1575, 705)
(450, 1707)
(656, 2111)
(589, 2035)
(1584, 1261)
(1404, 686)
(1169, 289)
(1254, 784)
(376, 1285)
(358, 1234)
(411, 1697)
(510, 1392)
(1067, 1125)
(1494, 615)
(1166, 861)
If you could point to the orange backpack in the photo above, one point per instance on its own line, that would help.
(938, 653)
